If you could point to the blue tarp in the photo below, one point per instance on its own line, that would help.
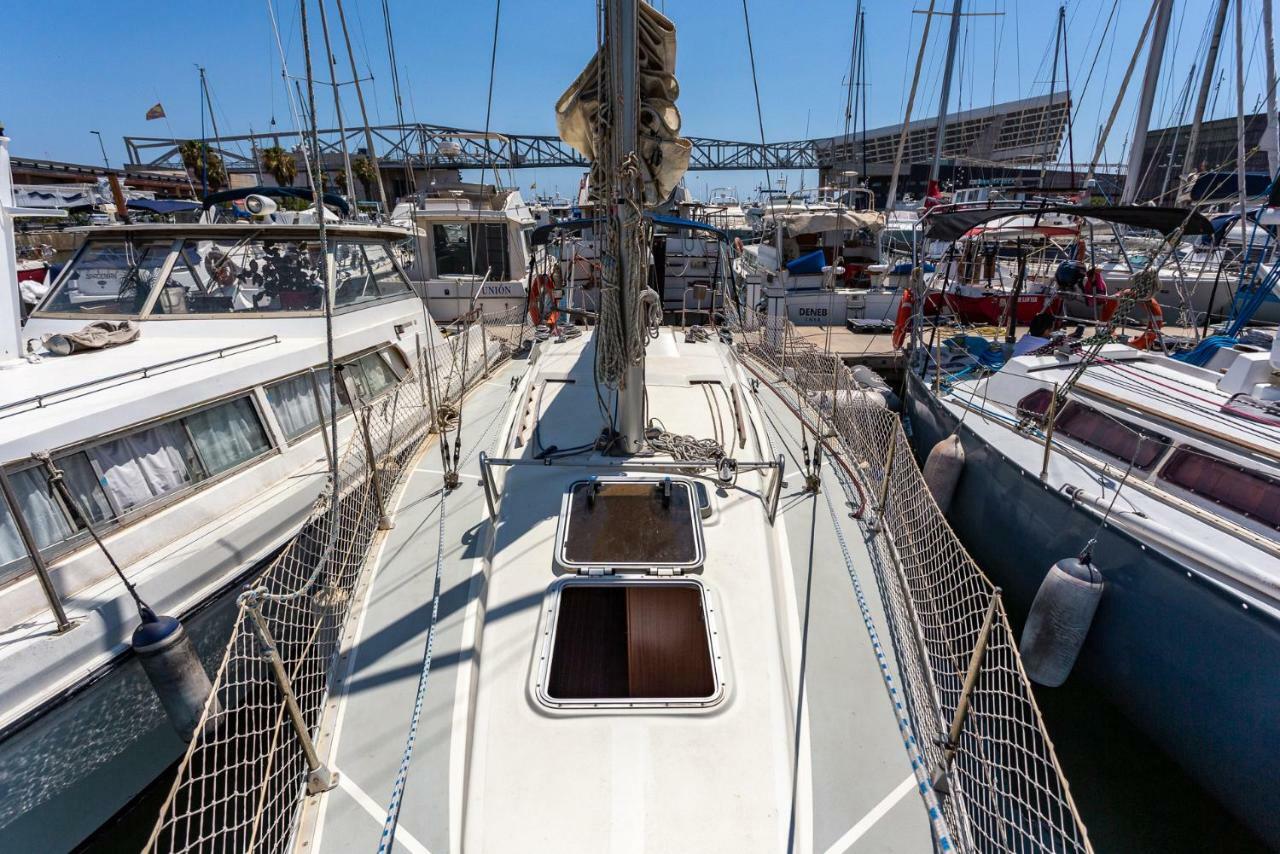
(813, 262)
(163, 206)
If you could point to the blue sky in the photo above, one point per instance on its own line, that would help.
(81, 66)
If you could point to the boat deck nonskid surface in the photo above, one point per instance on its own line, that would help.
(495, 770)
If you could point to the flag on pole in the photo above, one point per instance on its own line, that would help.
(156, 112)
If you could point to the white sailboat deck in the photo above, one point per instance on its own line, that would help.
(496, 769)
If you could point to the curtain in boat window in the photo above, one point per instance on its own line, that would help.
(228, 434)
(83, 483)
(11, 546)
(145, 465)
(377, 375)
(294, 403)
(44, 515)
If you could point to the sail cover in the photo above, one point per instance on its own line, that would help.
(663, 152)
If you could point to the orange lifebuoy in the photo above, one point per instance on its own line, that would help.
(1155, 322)
(902, 321)
(543, 287)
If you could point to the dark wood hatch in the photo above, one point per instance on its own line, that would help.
(641, 642)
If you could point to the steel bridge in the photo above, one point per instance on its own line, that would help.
(439, 147)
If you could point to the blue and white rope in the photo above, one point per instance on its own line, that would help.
(397, 791)
(919, 766)
(387, 840)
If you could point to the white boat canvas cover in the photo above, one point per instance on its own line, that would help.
(819, 221)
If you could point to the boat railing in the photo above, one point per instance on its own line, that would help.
(258, 750)
(971, 704)
(70, 392)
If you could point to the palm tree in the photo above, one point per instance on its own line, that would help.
(366, 173)
(198, 157)
(340, 181)
(280, 164)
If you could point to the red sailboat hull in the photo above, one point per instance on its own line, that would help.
(990, 309)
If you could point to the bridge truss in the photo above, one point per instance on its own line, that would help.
(439, 147)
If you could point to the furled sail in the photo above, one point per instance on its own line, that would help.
(664, 154)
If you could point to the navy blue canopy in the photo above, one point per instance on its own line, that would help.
(163, 206)
(542, 233)
(689, 225)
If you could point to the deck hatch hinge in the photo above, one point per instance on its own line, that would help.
(665, 571)
(595, 570)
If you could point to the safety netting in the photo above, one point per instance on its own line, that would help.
(999, 783)
(241, 783)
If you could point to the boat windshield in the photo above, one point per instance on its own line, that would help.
(219, 276)
(110, 277)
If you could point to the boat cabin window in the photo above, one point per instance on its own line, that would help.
(110, 277)
(364, 271)
(639, 524)
(471, 249)
(1251, 494)
(1086, 425)
(227, 276)
(222, 276)
(293, 401)
(372, 374)
(136, 468)
(645, 642)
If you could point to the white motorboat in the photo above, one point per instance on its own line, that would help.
(1168, 476)
(196, 451)
(471, 251)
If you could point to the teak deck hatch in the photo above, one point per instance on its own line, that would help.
(641, 642)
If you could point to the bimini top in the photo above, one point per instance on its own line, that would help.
(541, 235)
(952, 225)
(165, 271)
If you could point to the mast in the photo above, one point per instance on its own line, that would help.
(364, 114)
(623, 20)
(204, 143)
(1177, 132)
(337, 102)
(1133, 175)
(1270, 143)
(906, 120)
(1124, 87)
(945, 98)
(1189, 162)
(1241, 183)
